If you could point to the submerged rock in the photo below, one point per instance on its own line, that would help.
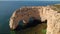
(50, 13)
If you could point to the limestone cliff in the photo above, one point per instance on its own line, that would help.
(49, 13)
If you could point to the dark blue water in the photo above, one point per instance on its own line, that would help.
(8, 7)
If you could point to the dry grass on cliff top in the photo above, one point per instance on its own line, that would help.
(56, 7)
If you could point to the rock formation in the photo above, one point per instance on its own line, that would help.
(49, 13)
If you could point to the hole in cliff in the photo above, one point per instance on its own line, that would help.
(32, 23)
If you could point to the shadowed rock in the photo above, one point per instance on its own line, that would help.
(42, 13)
(32, 23)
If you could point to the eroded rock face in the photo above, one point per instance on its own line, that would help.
(53, 21)
(38, 12)
(24, 14)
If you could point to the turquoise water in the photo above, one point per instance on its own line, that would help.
(8, 7)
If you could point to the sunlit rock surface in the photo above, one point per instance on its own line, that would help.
(53, 23)
(24, 14)
(50, 13)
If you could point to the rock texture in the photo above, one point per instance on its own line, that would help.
(49, 13)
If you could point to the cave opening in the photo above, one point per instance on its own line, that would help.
(32, 23)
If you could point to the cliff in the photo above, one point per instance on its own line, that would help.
(50, 13)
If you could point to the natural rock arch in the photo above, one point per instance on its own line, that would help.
(38, 12)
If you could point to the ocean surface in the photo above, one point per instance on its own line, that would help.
(8, 7)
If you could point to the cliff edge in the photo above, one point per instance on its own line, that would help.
(50, 13)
